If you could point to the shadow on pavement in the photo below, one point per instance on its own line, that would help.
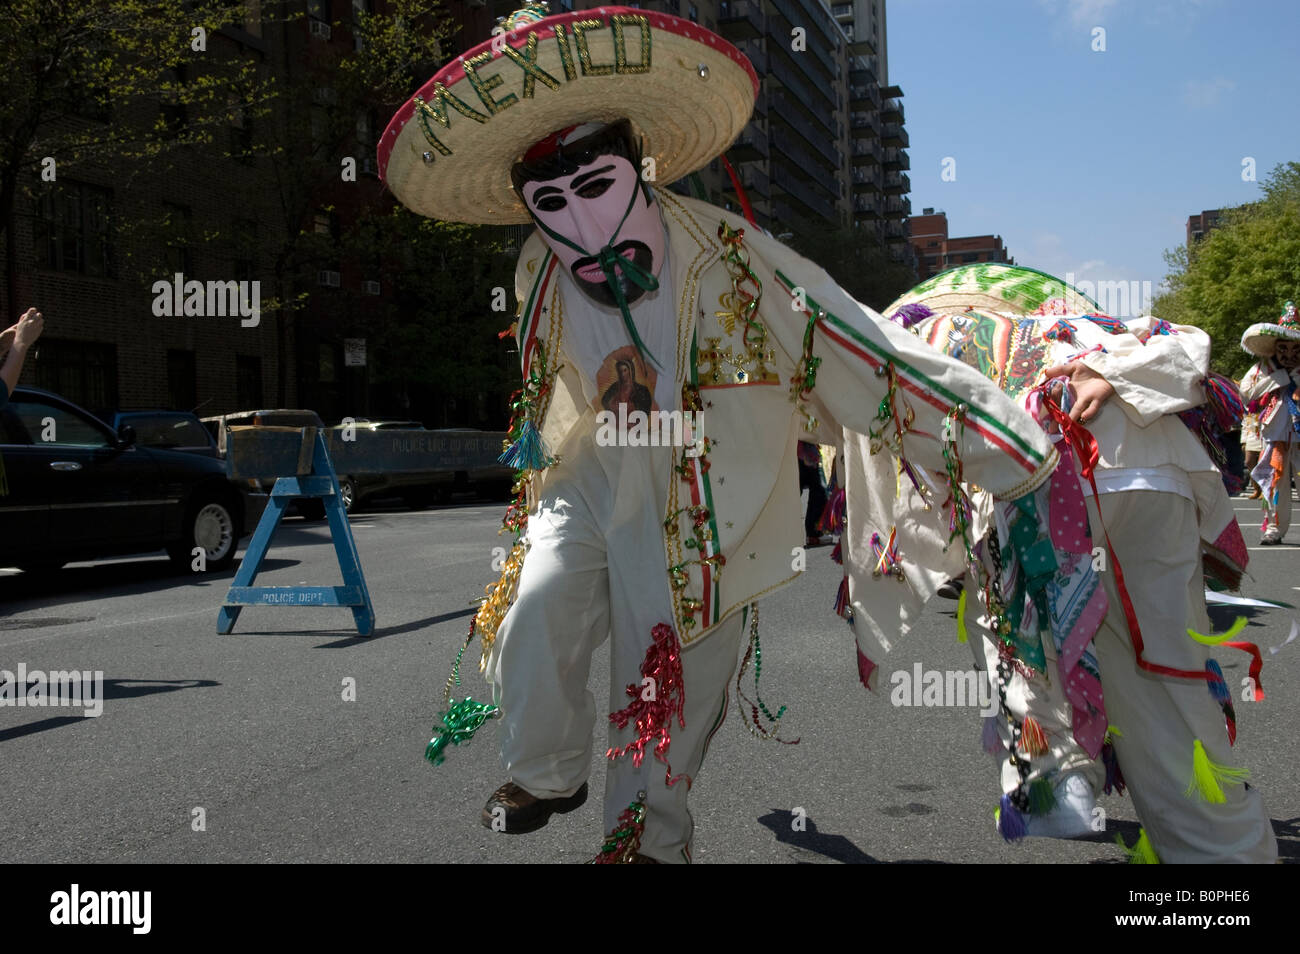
(835, 847)
(113, 689)
(123, 578)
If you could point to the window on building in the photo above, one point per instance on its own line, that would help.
(693, 13)
(971, 257)
(84, 372)
(241, 134)
(325, 222)
(360, 10)
(248, 382)
(182, 380)
(72, 229)
(319, 10)
(173, 111)
(328, 365)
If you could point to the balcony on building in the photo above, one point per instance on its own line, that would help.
(897, 207)
(866, 179)
(897, 183)
(865, 209)
(891, 111)
(894, 134)
(866, 96)
(785, 111)
(802, 92)
(802, 163)
(863, 126)
(792, 13)
(740, 19)
(804, 194)
(752, 179)
(861, 74)
(750, 144)
(843, 12)
(865, 153)
(896, 160)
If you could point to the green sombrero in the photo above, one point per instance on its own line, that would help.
(993, 287)
(448, 151)
(1261, 338)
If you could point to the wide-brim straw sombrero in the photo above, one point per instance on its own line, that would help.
(448, 151)
(1261, 338)
(993, 287)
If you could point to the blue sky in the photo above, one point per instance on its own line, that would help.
(1085, 161)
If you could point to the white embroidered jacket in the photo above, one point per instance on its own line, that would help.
(739, 504)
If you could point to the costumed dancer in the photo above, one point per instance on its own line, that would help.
(1270, 388)
(1120, 677)
(639, 305)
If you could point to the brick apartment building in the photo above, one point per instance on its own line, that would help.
(826, 148)
(936, 251)
(1199, 226)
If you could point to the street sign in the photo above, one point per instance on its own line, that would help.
(354, 352)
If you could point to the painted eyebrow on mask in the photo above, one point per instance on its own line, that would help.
(583, 179)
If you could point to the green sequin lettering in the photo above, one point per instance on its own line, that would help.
(484, 85)
(621, 64)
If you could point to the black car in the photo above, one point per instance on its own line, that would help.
(77, 490)
(168, 430)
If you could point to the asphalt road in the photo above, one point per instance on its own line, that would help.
(250, 733)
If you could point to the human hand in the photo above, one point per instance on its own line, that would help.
(7, 337)
(28, 329)
(1091, 390)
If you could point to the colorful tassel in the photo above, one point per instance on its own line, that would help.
(1217, 684)
(842, 597)
(865, 668)
(457, 726)
(1114, 774)
(1041, 797)
(1207, 776)
(624, 843)
(1141, 853)
(961, 616)
(529, 452)
(1033, 740)
(832, 518)
(837, 555)
(992, 743)
(1011, 824)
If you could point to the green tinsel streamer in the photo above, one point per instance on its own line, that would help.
(1041, 797)
(458, 725)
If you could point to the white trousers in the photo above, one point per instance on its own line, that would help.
(595, 568)
(1157, 543)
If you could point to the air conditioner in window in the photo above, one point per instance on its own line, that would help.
(319, 28)
(328, 279)
(370, 288)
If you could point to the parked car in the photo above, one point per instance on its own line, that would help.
(78, 490)
(168, 430)
(309, 508)
(416, 489)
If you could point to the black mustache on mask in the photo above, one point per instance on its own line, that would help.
(600, 290)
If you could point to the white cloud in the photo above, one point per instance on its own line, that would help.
(1206, 94)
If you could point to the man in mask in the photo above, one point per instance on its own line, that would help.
(659, 536)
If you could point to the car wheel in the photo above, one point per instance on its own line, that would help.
(211, 526)
(347, 494)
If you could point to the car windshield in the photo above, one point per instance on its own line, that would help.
(164, 430)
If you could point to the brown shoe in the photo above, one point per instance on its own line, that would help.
(524, 812)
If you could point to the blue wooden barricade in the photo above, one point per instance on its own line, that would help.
(316, 479)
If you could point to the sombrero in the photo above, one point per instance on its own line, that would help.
(994, 287)
(1260, 339)
(448, 151)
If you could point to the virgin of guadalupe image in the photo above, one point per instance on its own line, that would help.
(626, 389)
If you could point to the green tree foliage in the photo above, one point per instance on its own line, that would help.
(81, 76)
(1241, 272)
